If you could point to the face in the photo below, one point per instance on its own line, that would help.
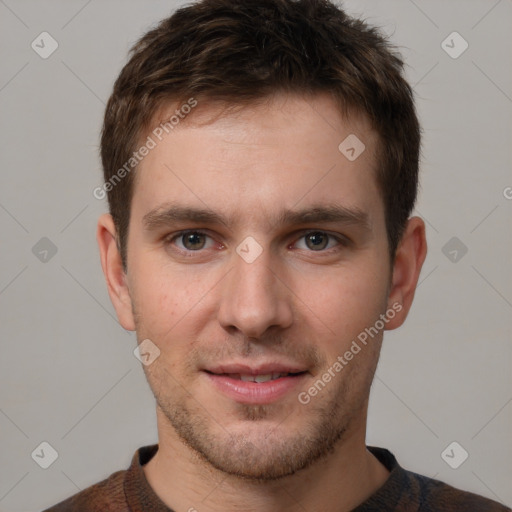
(257, 248)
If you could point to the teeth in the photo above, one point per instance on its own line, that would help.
(263, 378)
(260, 378)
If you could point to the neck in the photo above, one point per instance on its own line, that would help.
(339, 482)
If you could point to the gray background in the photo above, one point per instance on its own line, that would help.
(67, 371)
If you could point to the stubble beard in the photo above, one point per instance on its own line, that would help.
(276, 453)
(268, 454)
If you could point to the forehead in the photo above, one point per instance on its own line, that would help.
(257, 158)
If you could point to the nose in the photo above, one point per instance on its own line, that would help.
(254, 297)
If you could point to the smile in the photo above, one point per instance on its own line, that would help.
(256, 389)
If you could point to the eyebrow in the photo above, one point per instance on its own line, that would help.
(169, 213)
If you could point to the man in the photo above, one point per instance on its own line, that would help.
(261, 165)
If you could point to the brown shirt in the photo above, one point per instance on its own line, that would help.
(403, 491)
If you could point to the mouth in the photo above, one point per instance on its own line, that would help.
(259, 378)
(256, 388)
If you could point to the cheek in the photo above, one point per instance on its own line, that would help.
(170, 307)
(344, 304)
(158, 304)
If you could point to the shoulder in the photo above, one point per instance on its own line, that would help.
(107, 496)
(439, 496)
(407, 491)
(114, 493)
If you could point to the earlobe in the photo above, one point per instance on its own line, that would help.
(409, 259)
(115, 276)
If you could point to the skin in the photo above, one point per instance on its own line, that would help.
(297, 301)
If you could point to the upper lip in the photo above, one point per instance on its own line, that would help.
(256, 369)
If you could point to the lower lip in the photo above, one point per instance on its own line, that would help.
(254, 392)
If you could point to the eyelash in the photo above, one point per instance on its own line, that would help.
(342, 241)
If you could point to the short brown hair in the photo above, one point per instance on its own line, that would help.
(240, 52)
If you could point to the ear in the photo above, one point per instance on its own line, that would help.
(115, 276)
(409, 258)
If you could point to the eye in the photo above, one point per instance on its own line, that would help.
(195, 241)
(320, 240)
(190, 240)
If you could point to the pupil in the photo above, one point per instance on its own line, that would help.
(317, 239)
(193, 240)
